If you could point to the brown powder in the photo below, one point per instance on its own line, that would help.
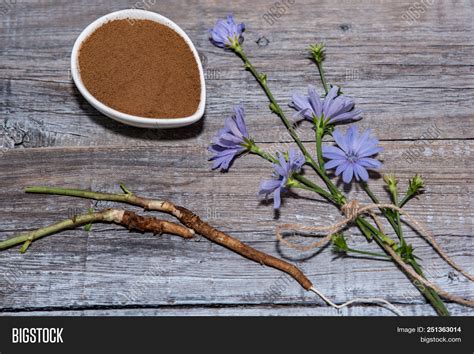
(145, 69)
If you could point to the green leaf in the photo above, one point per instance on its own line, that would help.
(125, 189)
(88, 227)
(339, 243)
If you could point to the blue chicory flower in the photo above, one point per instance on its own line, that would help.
(352, 157)
(226, 33)
(283, 171)
(230, 141)
(334, 108)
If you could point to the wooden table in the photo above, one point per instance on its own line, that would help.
(411, 71)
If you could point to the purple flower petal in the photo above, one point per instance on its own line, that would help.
(268, 186)
(282, 172)
(362, 140)
(351, 137)
(329, 98)
(369, 163)
(277, 198)
(315, 101)
(370, 150)
(335, 108)
(333, 163)
(303, 107)
(237, 140)
(239, 119)
(225, 32)
(350, 116)
(300, 102)
(361, 172)
(342, 167)
(348, 173)
(340, 140)
(230, 141)
(333, 152)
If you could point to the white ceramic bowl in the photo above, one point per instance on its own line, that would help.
(129, 119)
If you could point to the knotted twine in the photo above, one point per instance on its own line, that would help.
(352, 210)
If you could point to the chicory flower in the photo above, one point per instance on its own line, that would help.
(283, 170)
(334, 108)
(230, 141)
(352, 157)
(226, 33)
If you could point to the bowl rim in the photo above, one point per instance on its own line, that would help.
(136, 14)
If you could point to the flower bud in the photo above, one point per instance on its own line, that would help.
(390, 179)
(416, 184)
(318, 52)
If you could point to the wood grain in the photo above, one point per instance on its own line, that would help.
(95, 268)
(248, 310)
(407, 77)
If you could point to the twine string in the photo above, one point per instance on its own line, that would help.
(351, 211)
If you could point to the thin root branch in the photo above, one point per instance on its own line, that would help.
(377, 301)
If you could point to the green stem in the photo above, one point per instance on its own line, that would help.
(28, 237)
(322, 76)
(123, 198)
(376, 233)
(314, 187)
(337, 196)
(367, 253)
(431, 295)
(395, 223)
(319, 144)
(405, 199)
(297, 184)
(275, 107)
(398, 221)
(365, 227)
(254, 149)
(307, 183)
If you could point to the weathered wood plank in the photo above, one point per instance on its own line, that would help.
(407, 77)
(111, 266)
(274, 310)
